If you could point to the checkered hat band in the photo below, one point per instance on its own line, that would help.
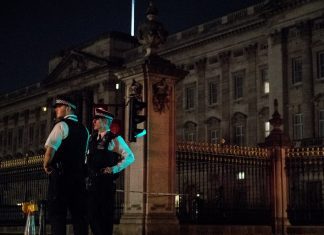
(101, 113)
(65, 103)
(103, 116)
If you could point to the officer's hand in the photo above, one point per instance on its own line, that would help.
(107, 170)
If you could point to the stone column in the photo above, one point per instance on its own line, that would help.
(150, 181)
(305, 30)
(226, 96)
(277, 62)
(252, 94)
(278, 142)
(202, 92)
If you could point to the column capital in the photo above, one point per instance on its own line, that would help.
(251, 49)
(224, 57)
(277, 36)
(201, 64)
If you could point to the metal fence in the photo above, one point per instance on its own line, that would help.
(23, 180)
(305, 173)
(223, 184)
(215, 184)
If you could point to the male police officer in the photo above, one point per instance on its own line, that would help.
(104, 147)
(65, 163)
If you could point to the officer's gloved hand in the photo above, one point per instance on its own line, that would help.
(107, 170)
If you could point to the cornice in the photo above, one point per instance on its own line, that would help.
(22, 98)
(277, 6)
(212, 37)
(152, 64)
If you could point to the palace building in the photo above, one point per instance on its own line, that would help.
(237, 64)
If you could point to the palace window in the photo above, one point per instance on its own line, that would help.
(321, 123)
(190, 94)
(239, 128)
(238, 85)
(213, 136)
(296, 70)
(31, 134)
(239, 135)
(265, 81)
(266, 129)
(190, 131)
(212, 92)
(298, 126)
(20, 137)
(1, 140)
(320, 64)
(213, 130)
(9, 140)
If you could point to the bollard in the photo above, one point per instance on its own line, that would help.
(30, 208)
(30, 225)
(42, 215)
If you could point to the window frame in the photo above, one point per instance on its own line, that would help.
(298, 126)
(320, 65)
(190, 96)
(321, 123)
(212, 92)
(264, 77)
(239, 137)
(267, 128)
(213, 139)
(238, 80)
(296, 70)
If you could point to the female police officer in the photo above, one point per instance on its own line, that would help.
(104, 150)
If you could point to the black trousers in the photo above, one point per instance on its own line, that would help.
(101, 202)
(67, 194)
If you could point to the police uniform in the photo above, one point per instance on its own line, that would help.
(104, 150)
(67, 180)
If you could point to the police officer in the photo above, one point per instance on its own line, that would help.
(64, 161)
(103, 165)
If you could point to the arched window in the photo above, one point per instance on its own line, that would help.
(190, 131)
(239, 129)
(213, 130)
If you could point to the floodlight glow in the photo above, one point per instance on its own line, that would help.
(133, 18)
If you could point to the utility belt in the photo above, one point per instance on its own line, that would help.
(57, 168)
(95, 176)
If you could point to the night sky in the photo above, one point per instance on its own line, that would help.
(34, 31)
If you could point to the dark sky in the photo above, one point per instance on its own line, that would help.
(33, 31)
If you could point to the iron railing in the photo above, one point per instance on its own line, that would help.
(23, 180)
(215, 184)
(222, 184)
(305, 173)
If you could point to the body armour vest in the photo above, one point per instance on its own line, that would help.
(70, 156)
(99, 156)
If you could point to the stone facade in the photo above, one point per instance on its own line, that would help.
(238, 64)
(85, 72)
